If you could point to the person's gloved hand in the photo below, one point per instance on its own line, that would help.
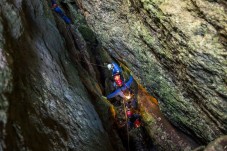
(104, 97)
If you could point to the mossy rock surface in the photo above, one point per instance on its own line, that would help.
(176, 49)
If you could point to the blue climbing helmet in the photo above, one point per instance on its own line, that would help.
(116, 69)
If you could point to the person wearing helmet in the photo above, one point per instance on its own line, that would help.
(116, 69)
(117, 74)
(122, 87)
(134, 120)
(58, 10)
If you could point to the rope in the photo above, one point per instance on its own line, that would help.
(126, 124)
(88, 62)
(93, 64)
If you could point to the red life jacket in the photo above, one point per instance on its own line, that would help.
(118, 81)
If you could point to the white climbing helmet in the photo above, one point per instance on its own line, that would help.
(110, 66)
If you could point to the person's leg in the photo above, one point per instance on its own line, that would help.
(59, 11)
(66, 19)
(130, 124)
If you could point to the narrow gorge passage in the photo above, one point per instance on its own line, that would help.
(54, 80)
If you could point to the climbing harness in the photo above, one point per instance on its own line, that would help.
(94, 64)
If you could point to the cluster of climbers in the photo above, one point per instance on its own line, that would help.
(123, 89)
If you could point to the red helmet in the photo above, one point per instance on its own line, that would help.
(137, 123)
(129, 113)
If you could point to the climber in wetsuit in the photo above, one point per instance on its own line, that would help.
(121, 86)
(134, 120)
(58, 10)
(117, 74)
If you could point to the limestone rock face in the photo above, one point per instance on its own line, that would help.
(48, 106)
(50, 92)
(5, 88)
(177, 50)
(219, 144)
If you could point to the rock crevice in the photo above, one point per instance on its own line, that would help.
(52, 76)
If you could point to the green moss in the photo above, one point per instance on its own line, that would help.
(87, 33)
(147, 118)
(77, 17)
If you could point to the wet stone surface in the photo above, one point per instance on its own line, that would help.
(50, 93)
